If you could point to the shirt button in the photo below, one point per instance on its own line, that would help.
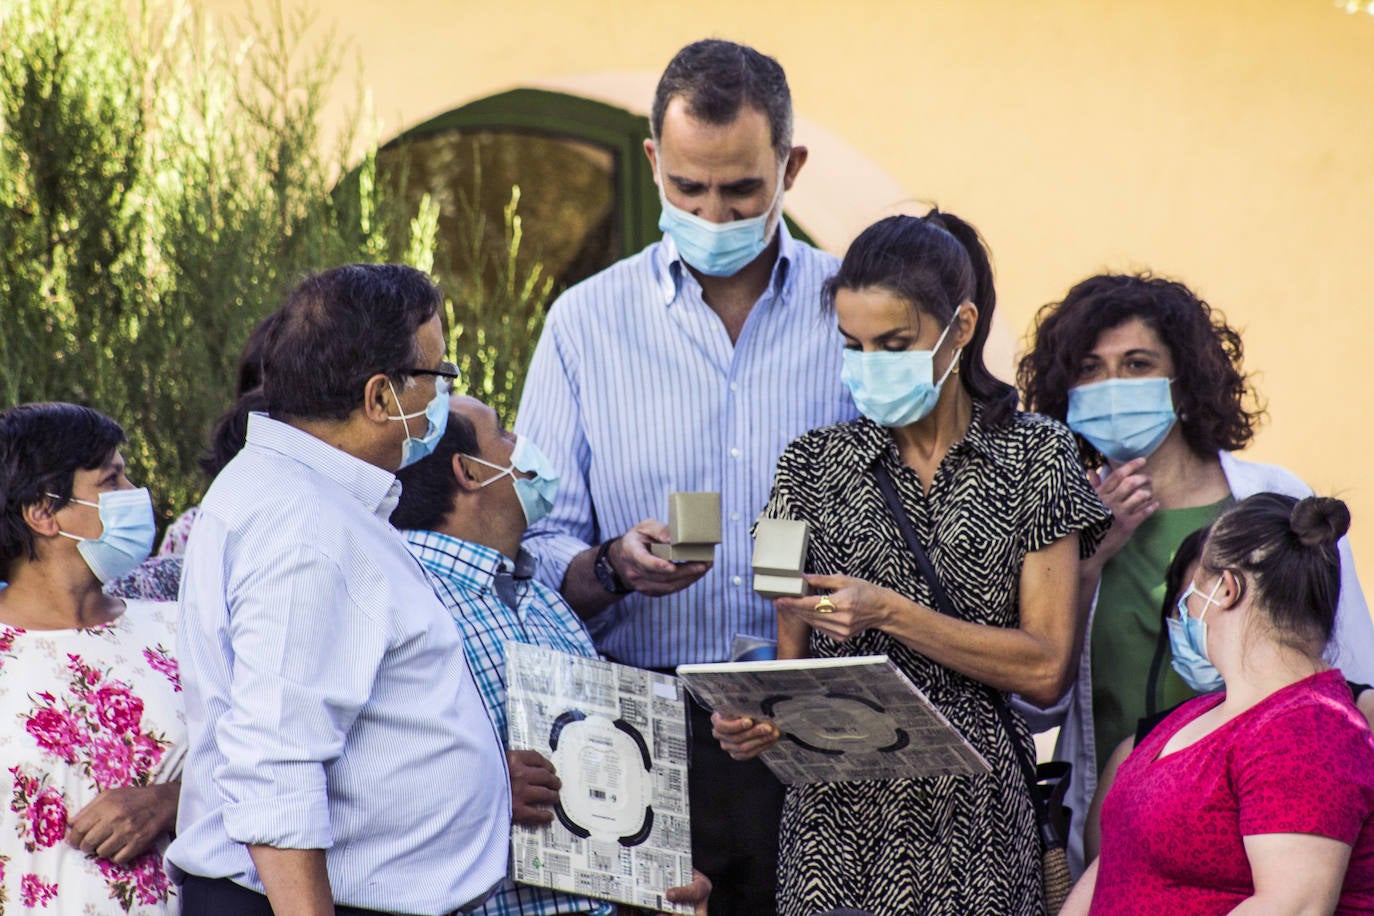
(737, 580)
(734, 453)
(734, 386)
(734, 516)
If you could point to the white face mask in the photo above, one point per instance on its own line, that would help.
(896, 388)
(1188, 642)
(536, 495)
(127, 533)
(718, 249)
(436, 422)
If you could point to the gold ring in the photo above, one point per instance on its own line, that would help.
(825, 605)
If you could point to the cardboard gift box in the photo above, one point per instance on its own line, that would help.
(693, 528)
(780, 557)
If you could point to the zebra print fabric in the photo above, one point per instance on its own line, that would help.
(950, 845)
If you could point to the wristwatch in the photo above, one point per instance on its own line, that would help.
(605, 573)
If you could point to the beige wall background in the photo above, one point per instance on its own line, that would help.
(1228, 143)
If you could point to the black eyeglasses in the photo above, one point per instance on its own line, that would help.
(446, 369)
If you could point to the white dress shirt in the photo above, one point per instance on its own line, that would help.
(329, 702)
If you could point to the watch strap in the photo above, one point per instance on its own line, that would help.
(605, 572)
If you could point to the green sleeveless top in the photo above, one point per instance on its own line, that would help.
(1127, 623)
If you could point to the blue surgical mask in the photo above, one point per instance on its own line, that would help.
(536, 495)
(1123, 418)
(716, 249)
(435, 414)
(895, 388)
(126, 517)
(1188, 642)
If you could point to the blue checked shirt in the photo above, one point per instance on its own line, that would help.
(635, 392)
(464, 576)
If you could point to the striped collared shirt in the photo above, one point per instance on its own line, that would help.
(329, 703)
(635, 392)
(464, 576)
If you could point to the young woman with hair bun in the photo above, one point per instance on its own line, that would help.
(1259, 798)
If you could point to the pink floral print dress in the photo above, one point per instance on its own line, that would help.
(82, 711)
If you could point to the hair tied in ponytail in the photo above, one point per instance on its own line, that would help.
(1319, 521)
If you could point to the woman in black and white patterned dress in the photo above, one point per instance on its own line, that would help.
(999, 501)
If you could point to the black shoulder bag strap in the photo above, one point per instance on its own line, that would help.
(946, 607)
(1156, 668)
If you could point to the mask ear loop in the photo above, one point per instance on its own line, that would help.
(404, 420)
(504, 471)
(79, 502)
(777, 196)
(1211, 597)
(1237, 581)
(953, 366)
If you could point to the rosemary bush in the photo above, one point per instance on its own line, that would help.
(161, 186)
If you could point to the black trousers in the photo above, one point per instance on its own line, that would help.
(222, 897)
(736, 807)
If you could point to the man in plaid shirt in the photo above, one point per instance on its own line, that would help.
(464, 510)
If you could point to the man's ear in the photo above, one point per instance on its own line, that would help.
(651, 152)
(796, 158)
(378, 399)
(466, 481)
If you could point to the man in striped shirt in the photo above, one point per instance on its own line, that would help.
(690, 366)
(464, 511)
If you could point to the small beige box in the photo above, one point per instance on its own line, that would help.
(780, 557)
(693, 528)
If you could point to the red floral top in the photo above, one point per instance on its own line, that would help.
(82, 711)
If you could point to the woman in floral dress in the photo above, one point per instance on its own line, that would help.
(91, 725)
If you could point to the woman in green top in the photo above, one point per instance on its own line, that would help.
(1150, 379)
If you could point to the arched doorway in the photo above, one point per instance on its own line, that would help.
(586, 194)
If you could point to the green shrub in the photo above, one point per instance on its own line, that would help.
(497, 305)
(160, 188)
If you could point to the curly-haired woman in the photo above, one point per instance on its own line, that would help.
(1150, 378)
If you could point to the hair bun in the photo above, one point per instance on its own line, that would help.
(1319, 521)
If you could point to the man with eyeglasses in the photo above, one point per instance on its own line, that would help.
(340, 757)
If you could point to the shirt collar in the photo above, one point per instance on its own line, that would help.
(872, 441)
(671, 272)
(466, 563)
(371, 486)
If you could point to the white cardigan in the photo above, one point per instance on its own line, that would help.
(1352, 650)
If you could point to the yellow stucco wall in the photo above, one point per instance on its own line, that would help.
(1229, 144)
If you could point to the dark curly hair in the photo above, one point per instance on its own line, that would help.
(1217, 407)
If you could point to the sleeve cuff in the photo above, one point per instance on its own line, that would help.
(296, 821)
(553, 553)
(1039, 719)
